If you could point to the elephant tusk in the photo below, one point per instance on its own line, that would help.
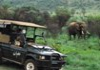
(82, 32)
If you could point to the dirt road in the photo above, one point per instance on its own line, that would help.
(11, 66)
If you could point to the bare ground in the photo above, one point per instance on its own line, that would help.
(10, 66)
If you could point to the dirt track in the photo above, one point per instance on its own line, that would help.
(10, 66)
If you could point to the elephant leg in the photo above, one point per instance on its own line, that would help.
(88, 34)
(79, 36)
(70, 37)
(84, 36)
(74, 36)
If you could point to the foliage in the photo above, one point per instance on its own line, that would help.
(53, 4)
(57, 21)
(29, 14)
(6, 12)
(81, 54)
(94, 24)
(63, 16)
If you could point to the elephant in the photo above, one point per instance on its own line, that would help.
(78, 29)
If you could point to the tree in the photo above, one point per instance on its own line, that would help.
(29, 14)
(6, 12)
(62, 15)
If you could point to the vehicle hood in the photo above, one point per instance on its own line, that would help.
(45, 50)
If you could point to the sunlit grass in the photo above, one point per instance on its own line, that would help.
(81, 54)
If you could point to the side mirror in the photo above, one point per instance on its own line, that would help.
(42, 34)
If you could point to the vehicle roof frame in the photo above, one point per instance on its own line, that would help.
(20, 23)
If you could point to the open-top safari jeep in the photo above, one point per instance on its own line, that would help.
(17, 47)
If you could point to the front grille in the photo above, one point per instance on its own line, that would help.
(56, 65)
(55, 56)
(47, 57)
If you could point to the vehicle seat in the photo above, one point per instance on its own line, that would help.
(4, 38)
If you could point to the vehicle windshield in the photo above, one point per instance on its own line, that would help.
(34, 35)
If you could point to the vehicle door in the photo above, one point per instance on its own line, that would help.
(19, 53)
(6, 51)
(13, 53)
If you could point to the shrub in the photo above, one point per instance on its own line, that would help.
(94, 24)
(6, 12)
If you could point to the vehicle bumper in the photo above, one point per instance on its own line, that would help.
(50, 64)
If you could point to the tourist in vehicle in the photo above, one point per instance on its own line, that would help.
(21, 37)
(13, 36)
(18, 37)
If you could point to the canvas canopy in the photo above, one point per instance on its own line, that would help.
(20, 23)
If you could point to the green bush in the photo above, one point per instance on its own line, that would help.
(81, 54)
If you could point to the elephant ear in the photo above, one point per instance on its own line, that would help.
(74, 25)
(84, 24)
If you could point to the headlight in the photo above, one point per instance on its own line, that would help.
(41, 57)
(62, 58)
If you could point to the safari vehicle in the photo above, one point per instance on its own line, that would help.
(30, 55)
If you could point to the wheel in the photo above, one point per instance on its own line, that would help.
(30, 65)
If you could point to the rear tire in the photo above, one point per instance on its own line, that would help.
(30, 65)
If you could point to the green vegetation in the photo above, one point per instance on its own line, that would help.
(10, 66)
(52, 4)
(81, 54)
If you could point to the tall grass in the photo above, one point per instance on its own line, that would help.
(81, 54)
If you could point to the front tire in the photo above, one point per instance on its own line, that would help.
(30, 65)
